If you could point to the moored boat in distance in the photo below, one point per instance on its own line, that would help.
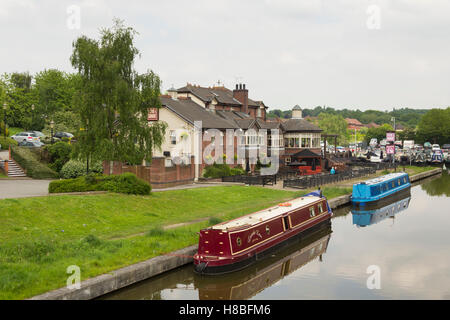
(238, 243)
(380, 188)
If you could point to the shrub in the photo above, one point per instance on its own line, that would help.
(236, 171)
(222, 170)
(5, 143)
(29, 161)
(125, 183)
(59, 155)
(75, 169)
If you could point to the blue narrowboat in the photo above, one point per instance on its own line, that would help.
(380, 188)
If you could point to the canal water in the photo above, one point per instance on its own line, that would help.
(399, 251)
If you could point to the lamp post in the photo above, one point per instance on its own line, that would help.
(52, 125)
(395, 135)
(5, 106)
(32, 115)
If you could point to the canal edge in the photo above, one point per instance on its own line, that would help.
(123, 277)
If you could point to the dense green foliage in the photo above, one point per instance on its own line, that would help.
(113, 99)
(76, 168)
(222, 170)
(406, 116)
(59, 155)
(125, 183)
(29, 161)
(51, 92)
(333, 124)
(435, 127)
(378, 133)
(5, 143)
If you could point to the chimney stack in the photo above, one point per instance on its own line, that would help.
(241, 94)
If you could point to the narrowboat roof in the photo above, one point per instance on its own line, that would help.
(266, 214)
(384, 178)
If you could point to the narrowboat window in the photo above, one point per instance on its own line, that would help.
(399, 182)
(393, 184)
(267, 230)
(320, 207)
(312, 213)
(239, 241)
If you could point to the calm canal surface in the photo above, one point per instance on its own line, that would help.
(408, 240)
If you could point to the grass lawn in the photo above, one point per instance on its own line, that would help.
(41, 237)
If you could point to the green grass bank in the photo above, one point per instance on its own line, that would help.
(41, 237)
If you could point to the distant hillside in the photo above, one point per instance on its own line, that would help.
(406, 116)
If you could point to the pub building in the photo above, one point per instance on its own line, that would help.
(222, 109)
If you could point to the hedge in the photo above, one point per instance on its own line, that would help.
(222, 170)
(29, 161)
(74, 169)
(5, 143)
(124, 183)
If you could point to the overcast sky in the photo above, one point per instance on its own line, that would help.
(340, 53)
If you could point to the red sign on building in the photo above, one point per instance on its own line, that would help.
(153, 114)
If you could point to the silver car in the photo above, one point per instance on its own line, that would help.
(25, 136)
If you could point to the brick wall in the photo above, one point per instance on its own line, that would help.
(157, 174)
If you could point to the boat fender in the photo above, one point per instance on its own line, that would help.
(200, 267)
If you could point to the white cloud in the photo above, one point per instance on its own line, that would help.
(287, 52)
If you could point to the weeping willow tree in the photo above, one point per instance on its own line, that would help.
(113, 99)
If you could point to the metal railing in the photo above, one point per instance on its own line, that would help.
(252, 180)
(326, 178)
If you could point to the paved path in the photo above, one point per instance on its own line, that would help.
(15, 188)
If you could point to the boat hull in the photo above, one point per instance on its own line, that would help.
(248, 258)
(383, 200)
(380, 189)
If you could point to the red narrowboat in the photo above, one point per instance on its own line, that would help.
(235, 244)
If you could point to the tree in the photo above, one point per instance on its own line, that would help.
(435, 126)
(333, 124)
(113, 99)
(378, 133)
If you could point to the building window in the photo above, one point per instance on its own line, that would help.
(306, 142)
(288, 160)
(258, 112)
(173, 137)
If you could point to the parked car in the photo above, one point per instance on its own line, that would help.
(61, 135)
(31, 144)
(340, 149)
(25, 136)
(39, 134)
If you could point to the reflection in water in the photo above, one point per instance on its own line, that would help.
(238, 285)
(363, 217)
(244, 285)
(438, 187)
(412, 255)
